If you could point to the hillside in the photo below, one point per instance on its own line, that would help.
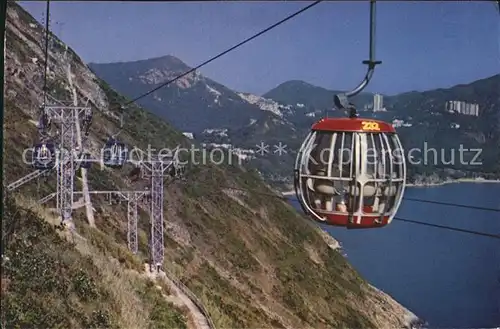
(450, 131)
(313, 97)
(252, 260)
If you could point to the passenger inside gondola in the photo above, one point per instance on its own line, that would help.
(43, 156)
(338, 192)
(329, 193)
(43, 153)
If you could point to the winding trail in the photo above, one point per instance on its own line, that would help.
(182, 296)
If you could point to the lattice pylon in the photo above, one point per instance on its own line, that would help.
(157, 169)
(66, 163)
(132, 217)
(67, 117)
(157, 243)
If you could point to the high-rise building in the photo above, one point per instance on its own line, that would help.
(378, 104)
(460, 107)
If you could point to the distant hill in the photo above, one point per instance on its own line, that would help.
(313, 97)
(447, 131)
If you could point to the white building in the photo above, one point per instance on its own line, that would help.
(188, 135)
(378, 103)
(397, 123)
(460, 107)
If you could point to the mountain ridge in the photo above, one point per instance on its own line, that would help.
(180, 62)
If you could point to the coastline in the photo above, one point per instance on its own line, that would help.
(422, 185)
(455, 181)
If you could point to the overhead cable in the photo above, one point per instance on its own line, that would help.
(450, 228)
(452, 204)
(46, 49)
(226, 51)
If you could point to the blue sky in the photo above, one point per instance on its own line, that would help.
(423, 45)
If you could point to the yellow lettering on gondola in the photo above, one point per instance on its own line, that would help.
(370, 125)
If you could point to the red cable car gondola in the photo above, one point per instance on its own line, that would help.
(350, 171)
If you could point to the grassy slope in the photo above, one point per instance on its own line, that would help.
(49, 282)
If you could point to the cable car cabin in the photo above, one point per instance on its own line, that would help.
(85, 161)
(351, 172)
(114, 154)
(44, 156)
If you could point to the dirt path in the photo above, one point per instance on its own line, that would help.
(83, 171)
(181, 298)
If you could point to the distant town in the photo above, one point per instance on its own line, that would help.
(453, 107)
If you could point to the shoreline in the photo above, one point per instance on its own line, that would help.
(456, 181)
(423, 185)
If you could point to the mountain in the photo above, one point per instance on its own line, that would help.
(210, 112)
(192, 103)
(218, 116)
(239, 256)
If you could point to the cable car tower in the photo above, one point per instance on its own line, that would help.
(350, 171)
(65, 156)
(157, 167)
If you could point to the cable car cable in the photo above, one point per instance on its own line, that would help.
(226, 51)
(456, 229)
(404, 198)
(408, 199)
(46, 50)
(452, 204)
(220, 55)
(341, 100)
(495, 236)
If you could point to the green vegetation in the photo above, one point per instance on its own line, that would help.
(309, 299)
(229, 308)
(47, 282)
(106, 246)
(162, 315)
